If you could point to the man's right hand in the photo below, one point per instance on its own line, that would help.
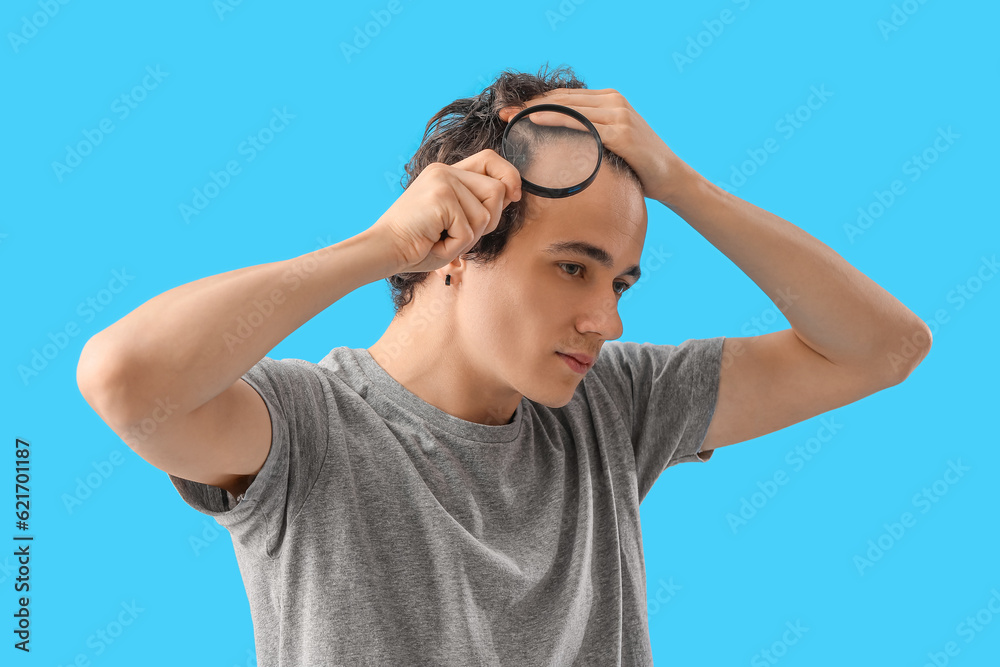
(465, 200)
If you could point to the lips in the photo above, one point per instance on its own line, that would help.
(584, 359)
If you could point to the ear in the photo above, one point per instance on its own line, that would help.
(455, 267)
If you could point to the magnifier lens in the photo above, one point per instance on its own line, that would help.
(556, 153)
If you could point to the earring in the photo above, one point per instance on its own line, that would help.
(447, 279)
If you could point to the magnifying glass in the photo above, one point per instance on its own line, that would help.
(556, 149)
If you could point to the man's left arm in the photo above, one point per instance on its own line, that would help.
(847, 334)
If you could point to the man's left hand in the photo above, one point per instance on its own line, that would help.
(623, 131)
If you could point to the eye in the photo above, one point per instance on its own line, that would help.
(624, 285)
(574, 265)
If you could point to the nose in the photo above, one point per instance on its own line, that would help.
(599, 314)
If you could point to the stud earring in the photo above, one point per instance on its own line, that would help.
(447, 279)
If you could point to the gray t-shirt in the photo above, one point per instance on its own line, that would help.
(384, 531)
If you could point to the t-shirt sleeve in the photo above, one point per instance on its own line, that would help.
(667, 396)
(294, 392)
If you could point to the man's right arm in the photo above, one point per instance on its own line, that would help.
(167, 377)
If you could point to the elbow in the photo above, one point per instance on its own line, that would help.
(99, 379)
(906, 351)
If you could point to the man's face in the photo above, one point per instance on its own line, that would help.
(535, 301)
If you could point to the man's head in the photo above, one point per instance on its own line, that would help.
(517, 297)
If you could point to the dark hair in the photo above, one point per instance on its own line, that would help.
(470, 125)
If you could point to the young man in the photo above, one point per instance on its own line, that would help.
(467, 490)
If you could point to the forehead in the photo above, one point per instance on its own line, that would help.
(610, 213)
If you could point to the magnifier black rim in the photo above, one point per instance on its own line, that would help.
(556, 193)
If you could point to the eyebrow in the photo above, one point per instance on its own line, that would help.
(599, 255)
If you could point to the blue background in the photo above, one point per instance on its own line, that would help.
(717, 596)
